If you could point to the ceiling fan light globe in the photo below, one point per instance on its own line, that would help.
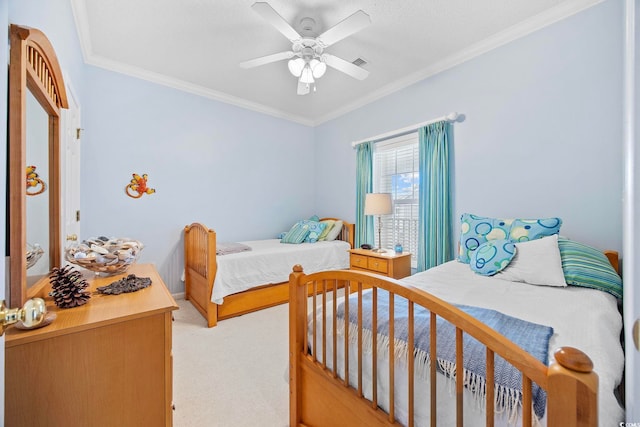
(319, 69)
(307, 75)
(296, 66)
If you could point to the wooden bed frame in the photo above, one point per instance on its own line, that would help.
(200, 271)
(318, 397)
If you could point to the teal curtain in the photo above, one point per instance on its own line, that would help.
(434, 205)
(364, 185)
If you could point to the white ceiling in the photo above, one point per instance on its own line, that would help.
(196, 45)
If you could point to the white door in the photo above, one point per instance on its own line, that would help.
(70, 171)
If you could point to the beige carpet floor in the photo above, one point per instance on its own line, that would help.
(232, 375)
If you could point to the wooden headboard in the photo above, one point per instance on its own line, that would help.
(612, 256)
(348, 232)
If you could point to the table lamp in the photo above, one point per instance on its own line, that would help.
(378, 204)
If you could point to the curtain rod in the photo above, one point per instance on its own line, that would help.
(449, 117)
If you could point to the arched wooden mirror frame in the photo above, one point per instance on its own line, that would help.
(33, 67)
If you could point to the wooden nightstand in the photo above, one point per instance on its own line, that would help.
(388, 263)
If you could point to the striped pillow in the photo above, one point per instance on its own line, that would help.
(297, 233)
(588, 267)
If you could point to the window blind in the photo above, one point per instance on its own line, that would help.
(395, 171)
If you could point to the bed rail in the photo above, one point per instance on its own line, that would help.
(320, 395)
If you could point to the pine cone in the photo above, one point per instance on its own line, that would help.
(68, 287)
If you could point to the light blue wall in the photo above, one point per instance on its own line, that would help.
(248, 175)
(542, 134)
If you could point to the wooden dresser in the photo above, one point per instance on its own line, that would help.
(388, 264)
(106, 363)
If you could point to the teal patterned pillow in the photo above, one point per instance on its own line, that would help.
(297, 234)
(588, 267)
(475, 230)
(315, 230)
(523, 230)
(492, 256)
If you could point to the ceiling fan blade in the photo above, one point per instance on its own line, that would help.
(345, 28)
(303, 88)
(345, 66)
(271, 16)
(267, 59)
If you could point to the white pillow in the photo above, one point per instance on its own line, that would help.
(335, 230)
(536, 262)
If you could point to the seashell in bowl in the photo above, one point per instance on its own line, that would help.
(34, 252)
(103, 255)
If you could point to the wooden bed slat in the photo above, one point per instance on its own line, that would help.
(459, 378)
(410, 362)
(433, 346)
(346, 336)
(374, 350)
(324, 322)
(392, 330)
(526, 402)
(359, 339)
(335, 337)
(489, 400)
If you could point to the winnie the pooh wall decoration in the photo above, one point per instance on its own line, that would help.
(138, 186)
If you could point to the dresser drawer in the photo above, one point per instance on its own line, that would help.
(377, 264)
(359, 261)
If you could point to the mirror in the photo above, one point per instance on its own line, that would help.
(36, 95)
(37, 203)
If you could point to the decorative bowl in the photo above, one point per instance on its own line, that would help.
(105, 255)
(34, 252)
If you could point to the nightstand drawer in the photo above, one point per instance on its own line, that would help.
(358, 261)
(377, 264)
(387, 263)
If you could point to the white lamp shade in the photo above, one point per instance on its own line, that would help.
(296, 66)
(377, 204)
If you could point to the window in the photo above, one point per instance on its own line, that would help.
(395, 171)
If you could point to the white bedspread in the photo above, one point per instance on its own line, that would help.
(583, 318)
(270, 261)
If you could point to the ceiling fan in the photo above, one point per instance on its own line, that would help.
(307, 59)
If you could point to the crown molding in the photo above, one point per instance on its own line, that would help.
(184, 86)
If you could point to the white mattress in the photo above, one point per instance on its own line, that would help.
(583, 318)
(270, 261)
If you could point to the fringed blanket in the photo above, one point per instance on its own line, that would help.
(531, 337)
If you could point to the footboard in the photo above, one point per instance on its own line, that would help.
(341, 376)
(200, 269)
